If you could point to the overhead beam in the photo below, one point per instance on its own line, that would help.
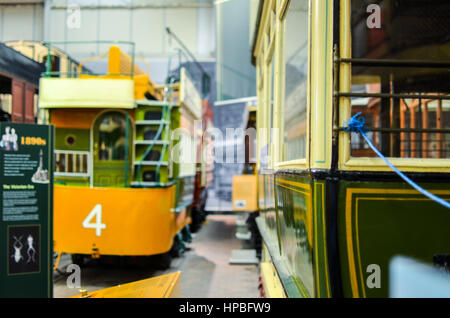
(143, 6)
(20, 2)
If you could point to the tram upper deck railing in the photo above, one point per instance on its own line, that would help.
(179, 88)
(53, 44)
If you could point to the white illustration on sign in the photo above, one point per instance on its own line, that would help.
(98, 225)
(17, 249)
(31, 252)
(41, 174)
(9, 140)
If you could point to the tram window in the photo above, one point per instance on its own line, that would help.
(74, 70)
(296, 80)
(54, 64)
(150, 134)
(401, 53)
(149, 176)
(153, 155)
(152, 115)
(110, 140)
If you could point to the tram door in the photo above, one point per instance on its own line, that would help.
(111, 162)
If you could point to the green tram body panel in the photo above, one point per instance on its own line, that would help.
(379, 220)
(145, 121)
(185, 192)
(80, 139)
(110, 173)
(374, 221)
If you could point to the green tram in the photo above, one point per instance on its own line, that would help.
(332, 213)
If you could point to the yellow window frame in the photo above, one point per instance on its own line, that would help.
(265, 54)
(280, 68)
(319, 87)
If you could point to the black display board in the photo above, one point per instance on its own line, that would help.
(26, 202)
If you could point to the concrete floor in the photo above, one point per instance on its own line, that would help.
(205, 269)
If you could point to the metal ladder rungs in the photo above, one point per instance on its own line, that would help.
(155, 103)
(151, 163)
(151, 142)
(152, 122)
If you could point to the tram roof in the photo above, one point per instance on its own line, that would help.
(255, 34)
(16, 64)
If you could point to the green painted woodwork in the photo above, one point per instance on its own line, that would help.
(287, 279)
(109, 173)
(141, 110)
(139, 154)
(384, 220)
(142, 129)
(269, 211)
(81, 139)
(163, 121)
(112, 172)
(320, 252)
(184, 192)
(78, 182)
(175, 122)
(295, 231)
(288, 226)
(163, 173)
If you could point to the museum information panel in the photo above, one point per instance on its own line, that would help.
(26, 201)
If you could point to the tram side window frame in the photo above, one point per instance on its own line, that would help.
(271, 83)
(282, 15)
(270, 62)
(346, 161)
(267, 147)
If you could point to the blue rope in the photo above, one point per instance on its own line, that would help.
(357, 124)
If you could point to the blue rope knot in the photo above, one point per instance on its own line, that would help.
(356, 124)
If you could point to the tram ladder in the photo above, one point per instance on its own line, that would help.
(164, 124)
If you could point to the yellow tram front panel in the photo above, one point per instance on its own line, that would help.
(114, 221)
(244, 193)
(164, 286)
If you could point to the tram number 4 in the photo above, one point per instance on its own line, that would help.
(97, 225)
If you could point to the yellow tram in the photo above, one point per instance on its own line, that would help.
(124, 176)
